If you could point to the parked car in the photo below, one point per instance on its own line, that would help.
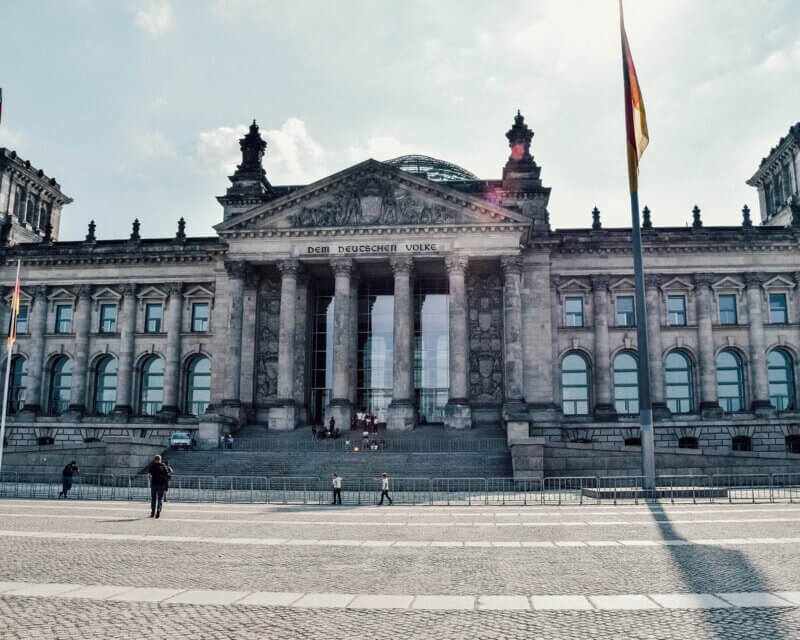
(180, 440)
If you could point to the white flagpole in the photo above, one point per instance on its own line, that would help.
(9, 347)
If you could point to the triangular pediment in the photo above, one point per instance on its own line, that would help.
(151, 292)
(371, 194)
(106, 293)
(677, 284)
(779, 282)
(573, 286)
(727, 283)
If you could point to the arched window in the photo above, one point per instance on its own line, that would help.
(626, 384)
(574, 385)
(60, 385)
(105, 390)
(17, 383)
(742, 443)
(688, 442)
(151, 389)
(781, 379)
(198, 385)
(678, 382)
(730, 386)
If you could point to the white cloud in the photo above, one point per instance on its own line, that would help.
(154, 16)
(292, 156)
(12, 138)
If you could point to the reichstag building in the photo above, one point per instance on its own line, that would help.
(416, 291)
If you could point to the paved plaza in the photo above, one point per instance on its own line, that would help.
(84, 569)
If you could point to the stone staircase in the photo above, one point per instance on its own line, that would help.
(426, 452)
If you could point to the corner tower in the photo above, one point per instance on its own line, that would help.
(249, 184)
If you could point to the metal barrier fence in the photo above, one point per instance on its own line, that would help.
(295, 490)
(353, 441)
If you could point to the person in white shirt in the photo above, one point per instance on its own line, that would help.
(337, 489)
(385, 489)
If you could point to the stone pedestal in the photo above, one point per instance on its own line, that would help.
(517, 430)
(605, 413)
(342, 412)
(764, 409)
(401, 416)
(527, 458)
(210, 427)
(457, 415)
(283, 417)
(710, 410)
(661, 411)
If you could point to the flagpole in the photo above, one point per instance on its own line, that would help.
(645, 403)
(9, 347)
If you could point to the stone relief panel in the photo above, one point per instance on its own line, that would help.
(485, 325)
(267, 326)
(372, 200)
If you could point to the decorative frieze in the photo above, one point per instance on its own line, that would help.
(485, 300)
(268, 308)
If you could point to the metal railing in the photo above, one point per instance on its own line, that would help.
(354, 441)
(311, 490)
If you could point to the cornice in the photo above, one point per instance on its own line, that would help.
(327, 232)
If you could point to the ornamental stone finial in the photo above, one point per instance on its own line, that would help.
(511, 264)
(647, 223)
(342, 266)
(697, 223)
(596, 224)
(290, 267)
(747, 223)
(456, 263)
(181, 234)
(135, 230)
(90, 237)
(402, 264)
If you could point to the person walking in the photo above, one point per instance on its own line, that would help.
(337, 489)
(385, 489)
(159, 476)
(66, 478)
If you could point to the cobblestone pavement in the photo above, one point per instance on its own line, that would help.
(723, 549)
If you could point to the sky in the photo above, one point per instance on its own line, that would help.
(136, 107)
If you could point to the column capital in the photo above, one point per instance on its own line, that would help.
(39, 291)
(82, 291)
(456, 263)
(753, 280)
(796, 276)
(127, 289)
(342, 266)
(290, 267)
(511, 264)
(174, 288)
(402, 265)
(703, 280)
(236, 269)
(600, 282)
(652, 281)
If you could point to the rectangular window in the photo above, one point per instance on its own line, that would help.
(727, 309)
(108, 318)
(625, 315)
(777, 308)
(787, 182)
(64, 318)
(768, 199)
(22, 320)
(573, 309)
(200, 316)
(152, 318)
(676, 311)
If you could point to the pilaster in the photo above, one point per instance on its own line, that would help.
(37, 322)
(283, 415)
(172, 368)
(512, 336)
(127, 334)
(340, 407)
(604, 406)
(758, 353)
(233, 366)
(655, 346)
(709, 405)
(79, 374)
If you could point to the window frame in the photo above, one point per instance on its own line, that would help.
(586, 385)
(191, 405)
(59, 308)
(147, 319)
(632, 312)
(100, 374)
(682, 312)
(735, 297)
(742, 398)
(579, 315)
(788, 367)
(688, 385)
(626, 403)
(26, 322)
(15, 387)
(193, 318)
(57, 406)
(784, 310)
(103, 306)
(150, 407)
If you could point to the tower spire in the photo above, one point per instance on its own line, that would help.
(249, 184)
(520, 173)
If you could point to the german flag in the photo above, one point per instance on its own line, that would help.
(635, 119)
(12, 329)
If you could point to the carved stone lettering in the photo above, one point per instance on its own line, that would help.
(485, 300)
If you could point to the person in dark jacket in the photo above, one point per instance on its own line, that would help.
(66, 478)
(159, 475)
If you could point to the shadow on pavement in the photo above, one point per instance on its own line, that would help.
(717, 569)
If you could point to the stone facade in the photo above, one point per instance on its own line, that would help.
(273, 321)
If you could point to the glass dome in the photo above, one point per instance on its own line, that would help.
(431, 168)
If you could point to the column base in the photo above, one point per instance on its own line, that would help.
(457, 414)
(605, 413)
(514, 410)
(661, 411)
(401, 416)
(764, 409)
(73, 414)
(282, 417)
(120, 414)
(29, 412)
(341, 411)
(167, 414)
(710, 410)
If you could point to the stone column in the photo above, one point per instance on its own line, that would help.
(37, 323)
(79, 370)
(172, 366)
(539, 342)
(758, 352)
(340, 407)
(709, 405)
(458, 414)
(283, 416)
(401, 415)
(512, 338)
(354, 284)
(233, 353)
(127, 335)
(604, 405)
(655, 346)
